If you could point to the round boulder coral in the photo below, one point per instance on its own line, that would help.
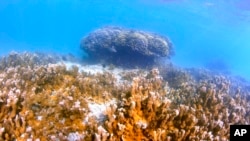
(125, 47)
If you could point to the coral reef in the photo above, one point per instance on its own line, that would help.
(53, 101)
(32, 59)
(48, 102)
(174, 76)
(121, 46)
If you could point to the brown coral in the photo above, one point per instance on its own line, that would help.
(51, 102)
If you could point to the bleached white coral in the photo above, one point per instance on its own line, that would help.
(97, 110)
(142, 124)
(75, 136)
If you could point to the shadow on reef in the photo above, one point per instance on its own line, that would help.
(124, 60)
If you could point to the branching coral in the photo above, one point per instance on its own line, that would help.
(43, 101)
(150, 113)
(51, 102)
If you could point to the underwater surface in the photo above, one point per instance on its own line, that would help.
(123, 69)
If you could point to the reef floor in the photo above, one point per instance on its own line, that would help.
(52, 97)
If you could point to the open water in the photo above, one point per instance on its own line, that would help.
(211, 34)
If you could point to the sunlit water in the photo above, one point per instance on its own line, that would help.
(205, 33)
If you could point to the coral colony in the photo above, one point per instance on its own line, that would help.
(47, 97)
(125, 47)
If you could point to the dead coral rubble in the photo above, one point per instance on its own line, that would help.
(51, 102)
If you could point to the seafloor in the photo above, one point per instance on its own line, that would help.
(53, 97)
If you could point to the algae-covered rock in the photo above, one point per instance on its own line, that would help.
(127, 47)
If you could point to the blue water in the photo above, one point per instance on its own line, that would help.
(203, 32)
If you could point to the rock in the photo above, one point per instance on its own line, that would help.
(125, 47)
